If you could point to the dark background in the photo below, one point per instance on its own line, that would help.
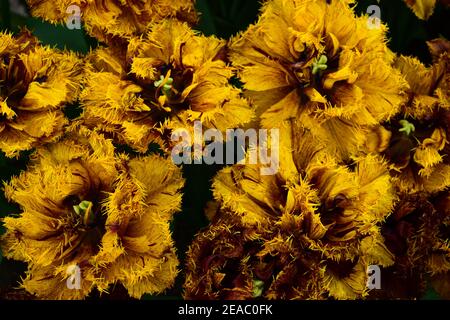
(223, 18)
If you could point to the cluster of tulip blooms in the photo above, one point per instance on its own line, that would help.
(364, 154)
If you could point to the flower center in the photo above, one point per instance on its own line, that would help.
(406, 136)
(165, 84)
(85, 222)
(86, 212)
(312, 75)
(258, 288)
(165, 94)
(165, 91)
(320, 65)
(14, 80)
(407, 127)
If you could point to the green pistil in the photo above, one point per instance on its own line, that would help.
(166, 87)
(320, 65)
(84, 209)
(258, 288)
(407, 127)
